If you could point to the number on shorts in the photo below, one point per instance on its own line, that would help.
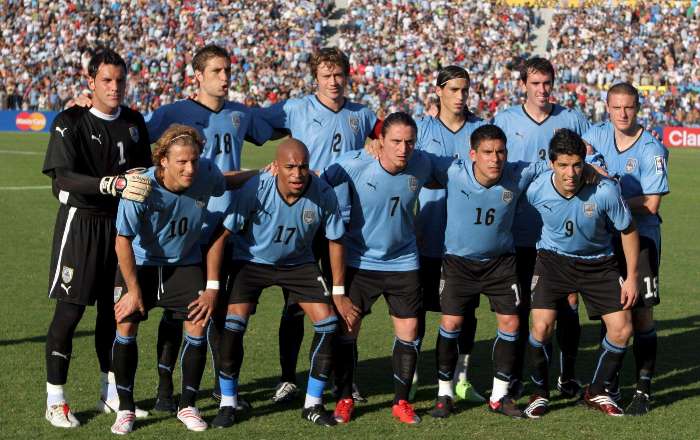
(652, 284)
(516, 290)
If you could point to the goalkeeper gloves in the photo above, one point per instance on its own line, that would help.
(130, 186)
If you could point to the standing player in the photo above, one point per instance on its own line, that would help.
(446, 135)
(87, 159)
(637, 160)
(382, 255)
(329, 125)
(160, 265)
(575, 254)
(529, 128)
(485, 190)
(278, 218)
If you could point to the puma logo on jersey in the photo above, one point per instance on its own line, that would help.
(436, 141)
(61, 130)
(317, 121)
(465, 193)
(372, 185)
(98, 138)
(519, 134)
(66, 288)
(544, 205)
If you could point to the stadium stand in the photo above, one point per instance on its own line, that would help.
(395, 49)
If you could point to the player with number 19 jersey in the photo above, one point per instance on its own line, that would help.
(274, 232)
(641, 170)
(224, 133)
(166, 226)
(528, 141)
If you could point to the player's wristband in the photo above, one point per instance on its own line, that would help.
(338, 290)
(212, 285)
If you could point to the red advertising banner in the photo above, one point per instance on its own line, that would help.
(681, 137)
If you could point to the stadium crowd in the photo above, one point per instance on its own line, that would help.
(395, 50)
(655, 46)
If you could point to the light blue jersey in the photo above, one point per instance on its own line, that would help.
(275, 232)
(579, 226)
(528, 141)
(434, 137)
(479, 219)
(640, 170)
(166, 227)
(326, 133)
(381, 234)
(224, 132)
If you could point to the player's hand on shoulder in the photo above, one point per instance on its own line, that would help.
(131, 186)
(592, 174)
(200, 310)
(82, 100)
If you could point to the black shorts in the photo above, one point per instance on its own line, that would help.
(597, 280)
(303, 282)
(431, 282)
(400, 289)
(321, 254)
(171, 287)
(466, 279)
(83, 260)
(525, 258)
(648, 269)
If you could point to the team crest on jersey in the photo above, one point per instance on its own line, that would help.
(134, 132)
(117, 293)
(309, 216)
(236, 119)
(588, 209)
(660, 164)
(507, 196)
(200, 204)
(354, 124)
(67, 274)
(412, 183)
(631, 165)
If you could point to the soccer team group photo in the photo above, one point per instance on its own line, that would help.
(228, 191)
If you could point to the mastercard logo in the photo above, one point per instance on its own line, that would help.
(30, 121)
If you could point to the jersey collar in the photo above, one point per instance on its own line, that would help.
(345, 101)
(551, 112)
(105, 116)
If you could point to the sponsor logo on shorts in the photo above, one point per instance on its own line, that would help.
(67, 274)
(117, 293)
(354, 124)
(309, 216)
(412, 183)
(631, 165)
(660, 164)
(134, 132)
(507, 196)
(236, 119)
(589, 209)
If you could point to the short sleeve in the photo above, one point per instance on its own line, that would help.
(259, 130)
(244, 200)
(654, 173)
(614, 205)
(333, 221)
(276, 115)
(130, 217)
(157, 123)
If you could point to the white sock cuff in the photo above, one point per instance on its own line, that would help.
(499, 389)
(111, 378)
(54, 389)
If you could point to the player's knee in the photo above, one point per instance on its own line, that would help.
(129, 329)
(508, 323)
(619, 334)
(194, 330)
(542, 330)
(451, 323)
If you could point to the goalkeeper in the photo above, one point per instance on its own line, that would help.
(89, 157)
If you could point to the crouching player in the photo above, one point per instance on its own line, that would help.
(278, 217)
(486, 190)
(160, 265)
(575, 254)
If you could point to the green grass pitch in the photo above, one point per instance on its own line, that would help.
(27, 218)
